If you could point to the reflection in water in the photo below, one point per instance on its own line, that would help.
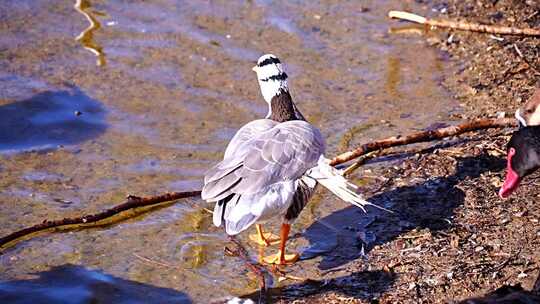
(415, 29)
(86, 37)
(76, 284)
(49, 119)
(393, 77)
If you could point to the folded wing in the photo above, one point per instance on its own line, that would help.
(262, 155)
(282, 152)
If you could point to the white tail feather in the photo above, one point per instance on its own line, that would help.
(333, 180)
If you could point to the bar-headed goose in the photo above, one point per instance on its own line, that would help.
(271, 167)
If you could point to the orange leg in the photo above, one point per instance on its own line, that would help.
(263, 239)
(281, 258)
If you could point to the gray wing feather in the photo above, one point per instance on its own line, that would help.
(247, 132)
(283, 152)
(220, 170)
(221, 188)
(219, 179)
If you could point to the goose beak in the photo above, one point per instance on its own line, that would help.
(254, 69)
(511, 182)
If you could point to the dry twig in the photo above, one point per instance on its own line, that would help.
(464, 26)
(424, 136)
(256, 268)
(131, 203)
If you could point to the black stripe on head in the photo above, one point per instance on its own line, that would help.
(268, 61)
(281, 76)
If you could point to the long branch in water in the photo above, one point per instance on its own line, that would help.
(132, 202)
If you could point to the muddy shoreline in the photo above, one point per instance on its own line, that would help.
(454, 237)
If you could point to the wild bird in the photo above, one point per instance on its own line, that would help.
(271, 167)
(529, 113)
(523, 158)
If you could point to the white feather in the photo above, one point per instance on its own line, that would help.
(216, 216)
(520, 118)
(269, 87)
(271, 201)
(333, 180)
(272, 88)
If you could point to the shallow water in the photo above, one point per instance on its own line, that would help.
(145, 100)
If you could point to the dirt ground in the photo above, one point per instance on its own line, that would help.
(452, 237)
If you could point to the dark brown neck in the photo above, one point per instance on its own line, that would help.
(283, 109)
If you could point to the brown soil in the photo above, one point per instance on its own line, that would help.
(452, 237)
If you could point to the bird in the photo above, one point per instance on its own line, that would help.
(529, 113)
(271, 167)
(522, 158)
(508, 294)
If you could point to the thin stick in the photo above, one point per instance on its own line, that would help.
(380, 153)
(464, 26)
(152, 262)
(131, 203)
(424, 136)
(360, 162)
(242, 253)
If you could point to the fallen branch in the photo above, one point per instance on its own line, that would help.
(242, 253)
(464, 26)
(131, 203)
(258, 269)
(424, 136)
(408, 152)
(137, 202)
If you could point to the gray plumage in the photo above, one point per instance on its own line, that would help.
(272, 166)
(261, 171)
